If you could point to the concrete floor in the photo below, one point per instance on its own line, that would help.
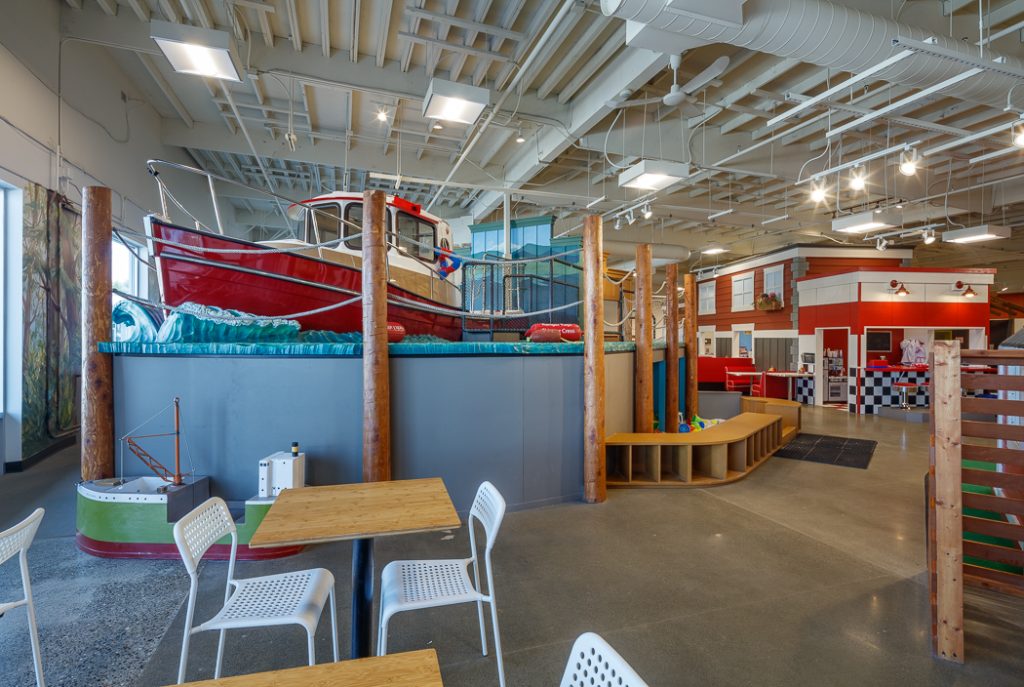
(803, 574)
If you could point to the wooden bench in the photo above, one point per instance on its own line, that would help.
(788, 410)
(719, 454)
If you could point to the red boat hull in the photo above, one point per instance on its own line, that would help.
(272, 284)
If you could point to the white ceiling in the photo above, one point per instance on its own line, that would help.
(331, 65)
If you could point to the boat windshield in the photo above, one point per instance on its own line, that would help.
(327, 224)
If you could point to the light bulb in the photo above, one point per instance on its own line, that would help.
(908, 163)
(817, 193)
(857, 181)
(1018, 136)
(382, 115)
(437, 126)
(519, 137)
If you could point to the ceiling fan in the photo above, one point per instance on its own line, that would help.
(677, 95)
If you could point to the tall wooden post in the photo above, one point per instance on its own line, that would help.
(643, 395)
(945, 471)
(690, 343)
(376, 380)
(594, 487)
(671, 349)
(97, 368)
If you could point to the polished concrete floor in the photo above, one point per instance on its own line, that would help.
(803, 574)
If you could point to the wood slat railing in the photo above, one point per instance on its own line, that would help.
(991, 486)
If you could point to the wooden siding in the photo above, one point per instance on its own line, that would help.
(724, 317)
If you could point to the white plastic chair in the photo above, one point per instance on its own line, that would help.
(16, 540)
(294, 598)
(410, 585)
(594, 663)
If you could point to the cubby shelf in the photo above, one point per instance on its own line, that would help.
(717, 455)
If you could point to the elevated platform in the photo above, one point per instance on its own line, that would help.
(718, 455)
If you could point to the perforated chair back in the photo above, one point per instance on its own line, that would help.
(207, 524)
(594, 663)
(489, 508)
(18, 538)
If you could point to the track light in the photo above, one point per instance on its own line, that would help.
(618, 223)
(929, 237)
(909, 162)
(519, 137)
(647, 212)
(857, 180)
(881, 244)
(1018, 136)
(818, 193)
(382, 115)
(630, 218)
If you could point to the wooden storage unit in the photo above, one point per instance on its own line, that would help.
(788, 410)
(718, 455)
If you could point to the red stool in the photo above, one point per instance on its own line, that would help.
(905, 389)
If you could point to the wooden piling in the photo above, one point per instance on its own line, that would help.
(376, 378)
(643, 395)
(690, 343)
(945, 471)
(671, 349)
(594, 487)
(97, 425)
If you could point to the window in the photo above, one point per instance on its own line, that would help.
(743, 292)
(773, 277)
(354, 214)
(324, 224)
(706, 298)
(128, 274)
(417, 230)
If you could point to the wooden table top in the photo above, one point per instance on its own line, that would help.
(409, 669)
(785, 373)
(743, 373)
(733, 429)
(313, 515)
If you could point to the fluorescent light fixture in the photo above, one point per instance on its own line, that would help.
(903, 102)
(714, 250)
(654, 175)
(195, 50)
(982, 232)
(863, 222)
(720, 213)
(772, 220)
(840, 87)
(454, 102)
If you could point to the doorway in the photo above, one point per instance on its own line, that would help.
(831, 383)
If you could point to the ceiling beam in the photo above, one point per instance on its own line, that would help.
(293, 25)
(154, 72)
(325, 27)
(140, 8)
(475, 26)
(384, 9)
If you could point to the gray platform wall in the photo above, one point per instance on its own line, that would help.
(514, 420)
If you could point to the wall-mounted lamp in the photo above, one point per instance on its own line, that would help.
(900, 288)
(965, 290)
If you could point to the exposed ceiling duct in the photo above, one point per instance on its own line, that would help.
(814, 31)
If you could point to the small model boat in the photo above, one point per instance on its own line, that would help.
(216, 270)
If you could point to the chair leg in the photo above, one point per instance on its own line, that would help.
(483, 633)
(183, 664)
(220, 654)
(312, 647)
(334, 625)
(382, 633)
(37, 656)
(497, 644)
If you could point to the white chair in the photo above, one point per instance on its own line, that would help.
(409, 585)
(594, 663)
(16, 540)
(294, 598)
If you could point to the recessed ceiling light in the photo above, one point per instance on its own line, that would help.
(195, 50)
